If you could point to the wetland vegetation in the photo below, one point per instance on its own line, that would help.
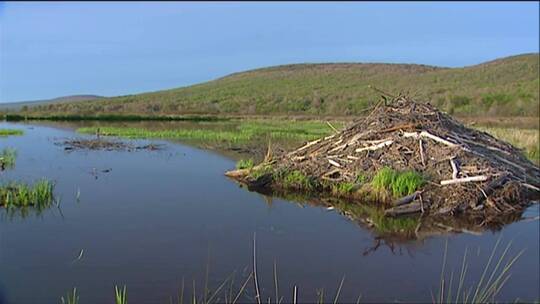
(9, 132)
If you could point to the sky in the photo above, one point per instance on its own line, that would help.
(56, 49)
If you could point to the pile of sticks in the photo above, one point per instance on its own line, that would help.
(467, 170)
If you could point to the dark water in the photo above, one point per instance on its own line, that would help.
(160, 216)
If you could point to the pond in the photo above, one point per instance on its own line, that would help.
(152, 219)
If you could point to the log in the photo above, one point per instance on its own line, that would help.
(422, 158)
(478, 178)
(455, 169)
(431, 136)
(407, 199)
(309, 144)
(334, 163)
(403, 209)
(375, 147)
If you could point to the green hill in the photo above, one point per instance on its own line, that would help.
(507, 86)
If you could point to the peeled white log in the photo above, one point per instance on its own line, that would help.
(478, 178)
(455, 170)
(375, 147)
(334, 163)
(431, 136)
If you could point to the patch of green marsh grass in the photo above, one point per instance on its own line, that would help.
(39, 195)
(399, 183)
(406, 183)
(7, 158)
(235, 132)
(8, 132)
(245, 164)
(342, 189)
(295, 179)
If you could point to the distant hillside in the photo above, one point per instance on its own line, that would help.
(507, 86)
(73, 98)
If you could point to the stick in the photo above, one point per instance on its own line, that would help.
(404, 126)
(407, 199)
(431, 136)
(334, 163)
(309, 144)
(422, 152)
(375, 147)
(330, 125)
(530, 186)
(478, 178)
(404, 209)
(455, 169)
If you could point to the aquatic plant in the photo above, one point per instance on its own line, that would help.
(398, 183)
(406, 183)
(245, 164)
(120, 295)
(71, 298)
(8, 132)
(233, 132)
(18, 194)
(343, 188)
(295, 179)
(7, 158)
(493, 279)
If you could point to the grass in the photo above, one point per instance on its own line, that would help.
(20, 195)
(526, 139)
(398, 183)
(245, 164)
(233, 132)
(508, 86)
(495, 275)
(7, 158)
(294, 179)
(9, 132)
(342, 189)
(120, 295)
(71, 298)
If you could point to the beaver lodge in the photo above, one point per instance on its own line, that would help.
(410, 158)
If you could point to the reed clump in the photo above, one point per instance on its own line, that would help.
(7, 158)
(20, 195)
(9, 132)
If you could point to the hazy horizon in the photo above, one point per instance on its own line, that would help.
(50, 50)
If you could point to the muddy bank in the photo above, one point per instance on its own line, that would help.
(104, 144)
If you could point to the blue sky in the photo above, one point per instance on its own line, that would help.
(63, 48)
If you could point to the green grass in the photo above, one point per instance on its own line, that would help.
(232, 132)
(507, 86)
(495, 275)
(71, 298)
(120, 295)
(245, 164)
(20, 195)
(7, 158)
(525, 139)
(398, 183)
(294, 179)
(342, 189)
(8, 132)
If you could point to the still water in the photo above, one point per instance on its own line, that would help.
(150, 219)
